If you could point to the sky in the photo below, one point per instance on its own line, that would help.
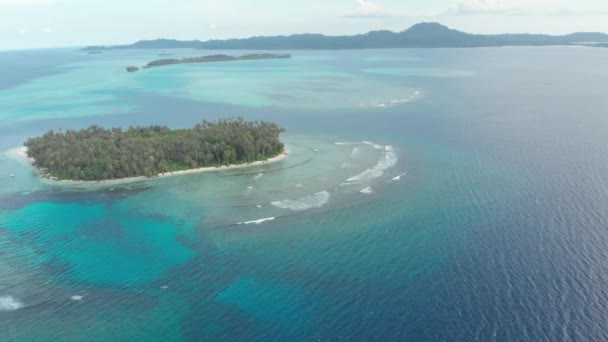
(28, 24)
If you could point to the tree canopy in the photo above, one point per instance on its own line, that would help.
(95, 153)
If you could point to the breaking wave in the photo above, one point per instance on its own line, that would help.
(8, 303)
(388, 160)
(355, 152)
(367, 190)
(260, 221)
(366, 176)
(258, 176)
(376, 146)
(398, 178)
(304, 203)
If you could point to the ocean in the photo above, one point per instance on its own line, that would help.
(428, 195)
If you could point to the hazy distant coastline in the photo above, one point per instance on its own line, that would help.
(423, 35)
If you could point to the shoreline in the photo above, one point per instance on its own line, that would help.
(20, 153)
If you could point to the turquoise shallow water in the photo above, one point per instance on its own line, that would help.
(70, 235)
(428, 195)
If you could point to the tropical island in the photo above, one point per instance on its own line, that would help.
(98, 154)
(215, 58)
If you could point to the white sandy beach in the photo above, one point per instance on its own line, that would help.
(21, 154)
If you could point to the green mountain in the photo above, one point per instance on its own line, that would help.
(423, 35)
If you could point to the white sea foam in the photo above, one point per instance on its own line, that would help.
(376, 146)
(249, 188)
(355, 152)
(258, 206)
(365, 176)
(382, 105)
(299, 186)
(388, 160)
(304, 203)
(346, 143)
(260, 221)
(9, 303)
(398, 101)
(367, 190)
(258, 176)
(344, 165)
(398, 178)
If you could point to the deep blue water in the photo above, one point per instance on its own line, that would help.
(497, 230)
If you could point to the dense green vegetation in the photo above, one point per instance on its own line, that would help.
(215, 58)
(96, 153)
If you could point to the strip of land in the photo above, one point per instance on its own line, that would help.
(99, 154)
(21, 154)
(215, 58)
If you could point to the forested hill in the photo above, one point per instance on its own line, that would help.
(95, 153)
(423, 35)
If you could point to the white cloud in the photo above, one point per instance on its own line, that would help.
(517, 8)
(369, 9)
(482, 7)
(372, 10)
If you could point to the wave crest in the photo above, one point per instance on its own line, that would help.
(398, 178)
(367, 190)
(304, 203)
(388, 160)
(366, 176)
(374, 145)
(260, 221)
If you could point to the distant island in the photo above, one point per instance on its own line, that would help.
(214, 58)
(98, 154)
(423, 35)
(599, 45)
